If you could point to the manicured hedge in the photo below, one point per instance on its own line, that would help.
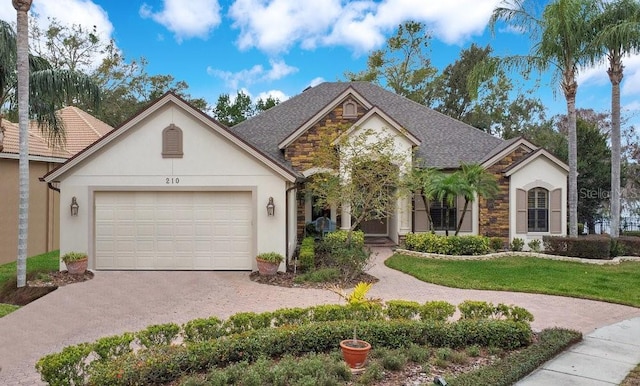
(166, 363)
(307, 254)
(587, 247)
(628, 245)
(113, 357)
(448, 245)
(509, 370)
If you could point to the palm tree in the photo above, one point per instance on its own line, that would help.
(475, 181)
(422, 180)
(445, 188)
(561, 40)
(618, 35)
(40, 91)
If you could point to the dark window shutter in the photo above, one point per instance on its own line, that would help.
(555, 222)
(521, 211)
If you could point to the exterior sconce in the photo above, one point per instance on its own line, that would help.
(271, 207)
(74, 206)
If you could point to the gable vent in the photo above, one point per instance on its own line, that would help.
(172, 142)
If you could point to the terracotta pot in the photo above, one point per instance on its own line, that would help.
(267, 268)
(355, 352)
(77, 267)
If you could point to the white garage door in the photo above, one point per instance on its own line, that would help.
(173, 230)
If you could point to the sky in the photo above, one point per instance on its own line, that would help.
(280, 47)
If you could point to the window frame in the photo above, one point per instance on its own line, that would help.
(533, 224)
(442, 207)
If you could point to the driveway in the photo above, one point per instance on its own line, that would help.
(116, 302)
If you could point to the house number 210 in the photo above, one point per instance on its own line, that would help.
(172, 180)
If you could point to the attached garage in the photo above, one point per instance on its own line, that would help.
(173, 230)
(173, 189)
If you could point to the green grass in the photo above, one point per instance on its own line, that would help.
(6, 309)
(611, 283)
(45, 262)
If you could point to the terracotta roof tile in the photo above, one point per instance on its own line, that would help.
(81, 130)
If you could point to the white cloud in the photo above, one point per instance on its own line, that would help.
(276, 25)
(631, 80)
(632, 106)
(276, 94)
(186, 19)
(316, 81)
(256, 74)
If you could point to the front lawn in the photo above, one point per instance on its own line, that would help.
(46, 262)
(611, 283)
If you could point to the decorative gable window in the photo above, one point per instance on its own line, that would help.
(538, 210)
(349, 109)
(172, 142)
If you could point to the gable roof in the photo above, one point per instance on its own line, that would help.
(81, 130)
(167, 98)
(540, 152)
(444, 141)
(375, 111)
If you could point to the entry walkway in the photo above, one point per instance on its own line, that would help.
(117, 302)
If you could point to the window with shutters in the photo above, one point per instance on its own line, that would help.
(538, 210)
(172, 142)
(349, 109)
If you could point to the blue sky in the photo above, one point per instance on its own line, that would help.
(279, 47)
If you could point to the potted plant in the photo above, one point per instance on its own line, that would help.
(355, 351)
(268, 263)
(76, 262)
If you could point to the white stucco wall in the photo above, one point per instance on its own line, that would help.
(133, 161)
(401, 223)
(543, 173)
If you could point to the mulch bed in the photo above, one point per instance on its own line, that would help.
(38, 285)
(286, 279)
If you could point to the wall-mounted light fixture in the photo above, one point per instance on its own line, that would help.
(74, 206)
(271, 207)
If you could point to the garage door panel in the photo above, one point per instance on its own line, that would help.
(173, 230)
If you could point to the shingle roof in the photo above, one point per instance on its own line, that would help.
(81, 130)
(446, 142)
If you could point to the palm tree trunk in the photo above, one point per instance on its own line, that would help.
(464, 211)
(570, 88)
(22, 7)
(615, 72)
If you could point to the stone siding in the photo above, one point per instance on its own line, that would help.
(494, 213)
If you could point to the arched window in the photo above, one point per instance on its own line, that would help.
(349, 109)
(538, 210)
(172, 142)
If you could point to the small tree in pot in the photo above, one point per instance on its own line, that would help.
(355, 351)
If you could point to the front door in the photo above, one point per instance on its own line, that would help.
(377, 227)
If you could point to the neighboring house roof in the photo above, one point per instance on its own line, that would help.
(81, 130)
(444, 142)
(167, 98)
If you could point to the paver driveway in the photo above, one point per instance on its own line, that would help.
(115, 302)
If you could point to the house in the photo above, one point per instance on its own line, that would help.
(82, 129)
(172, 188)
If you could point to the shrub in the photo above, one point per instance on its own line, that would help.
(247, 321)
(272, 257)
(402, 309)
(349, 260)
(631, 233)
(307, 254)
(158, 335)
(394, 361)
(507, 372)
(330, 312)
(447, 245)
(588, 247)
(517, 244)
(630, 245)
(341, 237)
(322, 275)
(67, 367)
(534, 245)
(113, 346)
(437, 310)
(290, 316)
(496, 244)
(472, 309)
(200, 330)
